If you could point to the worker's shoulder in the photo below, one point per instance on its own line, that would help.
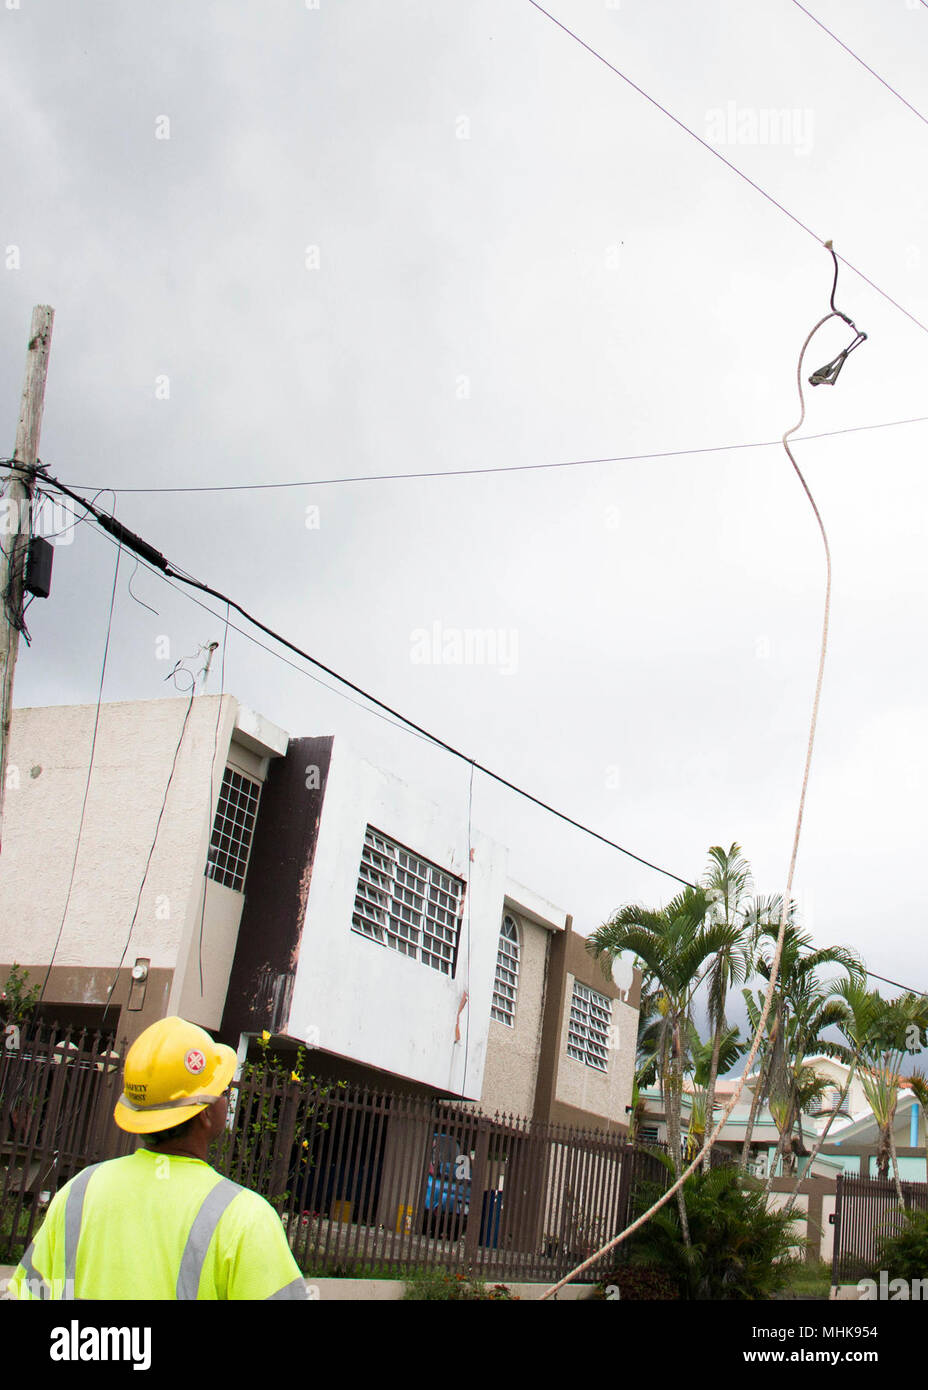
(82, 1178)
(246, 1209)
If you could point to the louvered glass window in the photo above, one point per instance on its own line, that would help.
(507, 974)
(588, 1029)
(407, 903)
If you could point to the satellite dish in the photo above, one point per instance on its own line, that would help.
(622, 975)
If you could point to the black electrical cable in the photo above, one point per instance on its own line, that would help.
(406, 727)
(141, 547)
(271, 651)
(433, 738)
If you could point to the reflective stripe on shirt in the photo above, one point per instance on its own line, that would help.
(201, 1233)
(72, 1227)
(156, 1226)
(297, 1289)
(40, 1288)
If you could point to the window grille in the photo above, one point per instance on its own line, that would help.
(588, 1029)
(507, 974)
(407, 903)
(233, 829)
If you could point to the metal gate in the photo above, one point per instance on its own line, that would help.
(867, 1212)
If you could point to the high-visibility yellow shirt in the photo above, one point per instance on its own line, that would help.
(156, 1226)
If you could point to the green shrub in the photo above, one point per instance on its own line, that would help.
(905, 1254)
(17, 1001)
(640, 1282)
(740, 1249)
(13, 1233)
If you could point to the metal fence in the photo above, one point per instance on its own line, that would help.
(368, 1180)
(362, 1179)
(867, 1211)
(58, 1087)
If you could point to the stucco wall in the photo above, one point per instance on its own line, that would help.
(512, 1052)
(135, 749)
(49, 751)
(583, 1087)
(360, 999)
(220, 920)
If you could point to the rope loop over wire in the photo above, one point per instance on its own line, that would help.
(828, 375)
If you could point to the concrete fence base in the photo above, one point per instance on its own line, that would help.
(384, 1290)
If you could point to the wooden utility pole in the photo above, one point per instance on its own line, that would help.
(16, 521)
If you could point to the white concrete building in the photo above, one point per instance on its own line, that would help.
(126, 931)
(252, 881)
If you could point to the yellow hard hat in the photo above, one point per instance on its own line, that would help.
(173, 1071)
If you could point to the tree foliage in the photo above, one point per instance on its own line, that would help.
(738, 1248)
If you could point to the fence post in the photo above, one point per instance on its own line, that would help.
(283, 1135)
(836, 1243)
(815, 1207)
(478, 1176)
(625, 1186)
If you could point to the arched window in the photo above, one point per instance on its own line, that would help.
(507, 974)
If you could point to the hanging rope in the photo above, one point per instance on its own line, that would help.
(787, 896)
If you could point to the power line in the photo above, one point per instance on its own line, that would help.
(148, 552)
(502, 468)
(400, 722)
(727, 162)
(151, 851)
(212, 766)
(93, 746)
(860, 60)
(262, 646)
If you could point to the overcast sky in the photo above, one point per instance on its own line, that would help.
(288, 243)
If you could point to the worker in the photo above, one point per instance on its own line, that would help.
(161, 1223)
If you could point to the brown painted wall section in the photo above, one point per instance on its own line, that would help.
(588, 971)
(555, 994)
(277, 884)
(568, 955)
(77, 994)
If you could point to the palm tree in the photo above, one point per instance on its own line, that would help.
(883, 1055)
(672, 944)
(862, 1010)
(793, 1086)
(917, 1083)
(803, 1010)
(728, 884)
(721, 1054)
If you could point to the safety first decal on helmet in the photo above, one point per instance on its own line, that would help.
(194, 1061)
